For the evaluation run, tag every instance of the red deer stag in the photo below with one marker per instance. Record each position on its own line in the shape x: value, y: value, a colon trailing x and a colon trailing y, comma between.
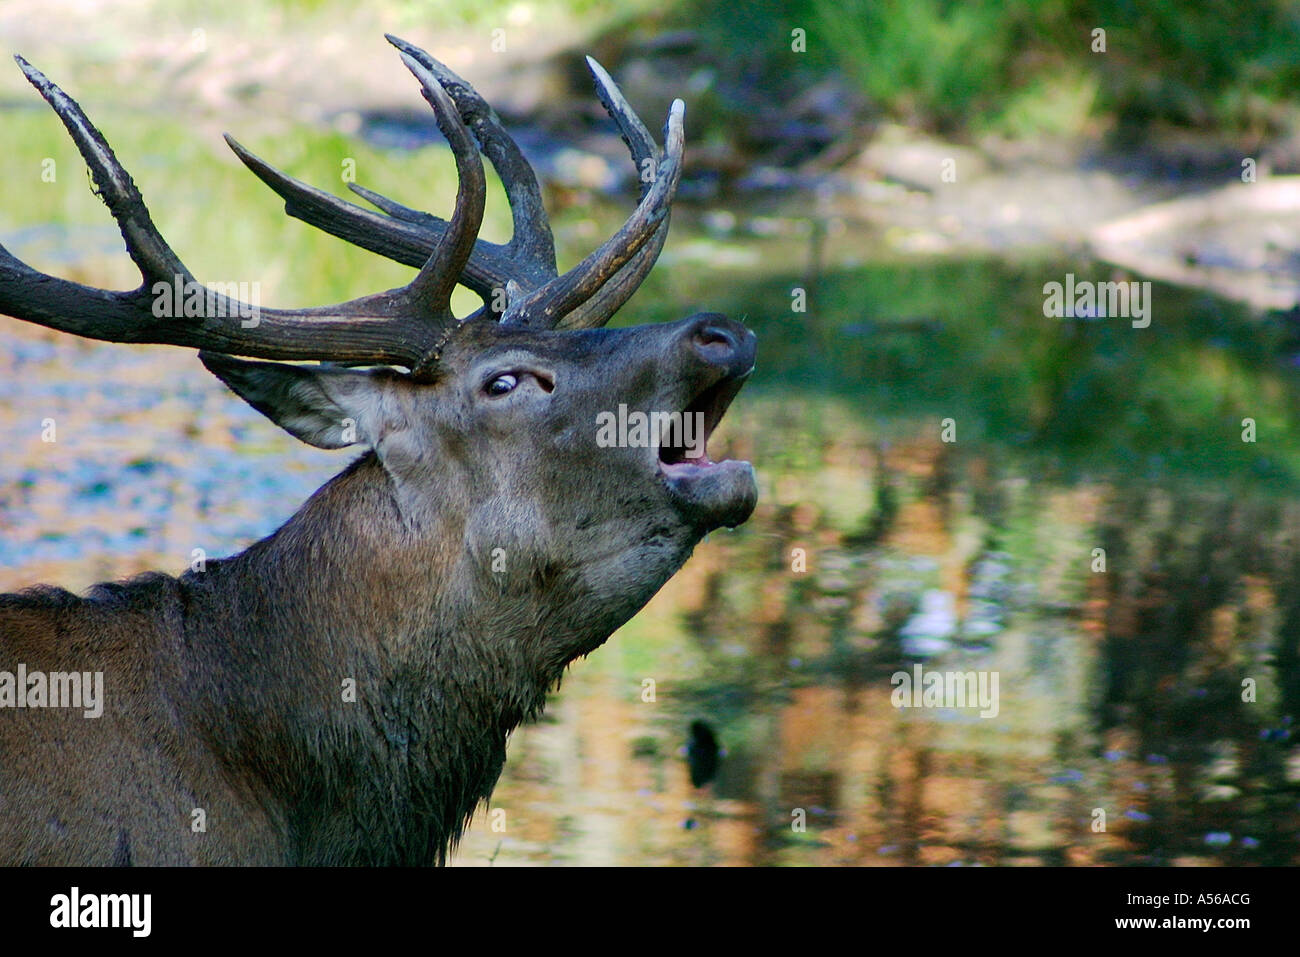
x: 485, y: 539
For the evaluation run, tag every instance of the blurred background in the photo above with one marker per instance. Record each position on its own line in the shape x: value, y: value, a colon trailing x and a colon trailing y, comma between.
x: 881, y: 190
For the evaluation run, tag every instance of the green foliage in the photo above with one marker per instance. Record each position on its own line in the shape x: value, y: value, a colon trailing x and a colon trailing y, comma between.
x: 929, y: 60
x: 1020, y: 66
x: 1218, y: 63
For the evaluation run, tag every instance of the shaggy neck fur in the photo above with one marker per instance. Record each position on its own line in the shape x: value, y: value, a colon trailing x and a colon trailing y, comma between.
x: 369, y: 706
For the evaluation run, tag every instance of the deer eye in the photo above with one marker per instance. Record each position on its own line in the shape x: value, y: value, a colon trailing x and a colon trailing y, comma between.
x: 501, y: 385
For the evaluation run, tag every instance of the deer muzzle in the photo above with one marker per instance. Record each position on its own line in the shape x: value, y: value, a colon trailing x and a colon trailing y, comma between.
x: 719, y: 356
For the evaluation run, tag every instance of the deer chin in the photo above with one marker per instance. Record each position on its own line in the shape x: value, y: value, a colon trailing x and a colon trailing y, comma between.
x: 710, y: 494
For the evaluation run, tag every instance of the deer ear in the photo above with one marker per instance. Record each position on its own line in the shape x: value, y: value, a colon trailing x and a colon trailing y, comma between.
x: 323, y: 406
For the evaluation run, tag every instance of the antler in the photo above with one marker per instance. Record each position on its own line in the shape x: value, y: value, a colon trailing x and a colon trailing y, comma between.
x: 405, y: 326
x: 586, y: 296
x: 401, y: 326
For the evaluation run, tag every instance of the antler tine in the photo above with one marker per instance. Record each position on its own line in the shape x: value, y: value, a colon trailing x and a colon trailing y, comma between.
x: 532, y: 239
x: 395, y: 209
x: 619, y: 289
x: 148, y: 250
x: 547, y: 306
x: 638, y: 139
x: 432, y: 287
x: 409, y: 239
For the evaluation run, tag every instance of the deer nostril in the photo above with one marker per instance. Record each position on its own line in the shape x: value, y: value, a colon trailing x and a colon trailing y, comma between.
x: 719, y: 341
x: 715, y: 335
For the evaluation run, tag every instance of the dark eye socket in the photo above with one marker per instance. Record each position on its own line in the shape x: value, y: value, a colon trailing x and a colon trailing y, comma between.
x: 502, y: 385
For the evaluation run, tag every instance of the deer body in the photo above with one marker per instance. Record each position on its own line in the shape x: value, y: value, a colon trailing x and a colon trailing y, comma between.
x: 342, y: 691
x: 224, y: 692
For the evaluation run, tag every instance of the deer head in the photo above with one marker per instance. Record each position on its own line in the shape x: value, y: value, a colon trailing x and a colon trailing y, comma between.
x: 504, y: 518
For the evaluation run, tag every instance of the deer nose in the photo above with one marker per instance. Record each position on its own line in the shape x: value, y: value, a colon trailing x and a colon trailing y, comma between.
x: 720, y: 341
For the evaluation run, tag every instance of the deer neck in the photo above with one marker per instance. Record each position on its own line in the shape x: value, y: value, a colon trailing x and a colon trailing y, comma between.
x: 375, y: 670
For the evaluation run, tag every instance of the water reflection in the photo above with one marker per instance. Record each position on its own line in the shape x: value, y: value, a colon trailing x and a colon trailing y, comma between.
x: 1120, y: 691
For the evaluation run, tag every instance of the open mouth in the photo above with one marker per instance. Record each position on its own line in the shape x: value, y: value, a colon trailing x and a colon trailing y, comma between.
x: 711, y: 493
x: 684, y: 437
